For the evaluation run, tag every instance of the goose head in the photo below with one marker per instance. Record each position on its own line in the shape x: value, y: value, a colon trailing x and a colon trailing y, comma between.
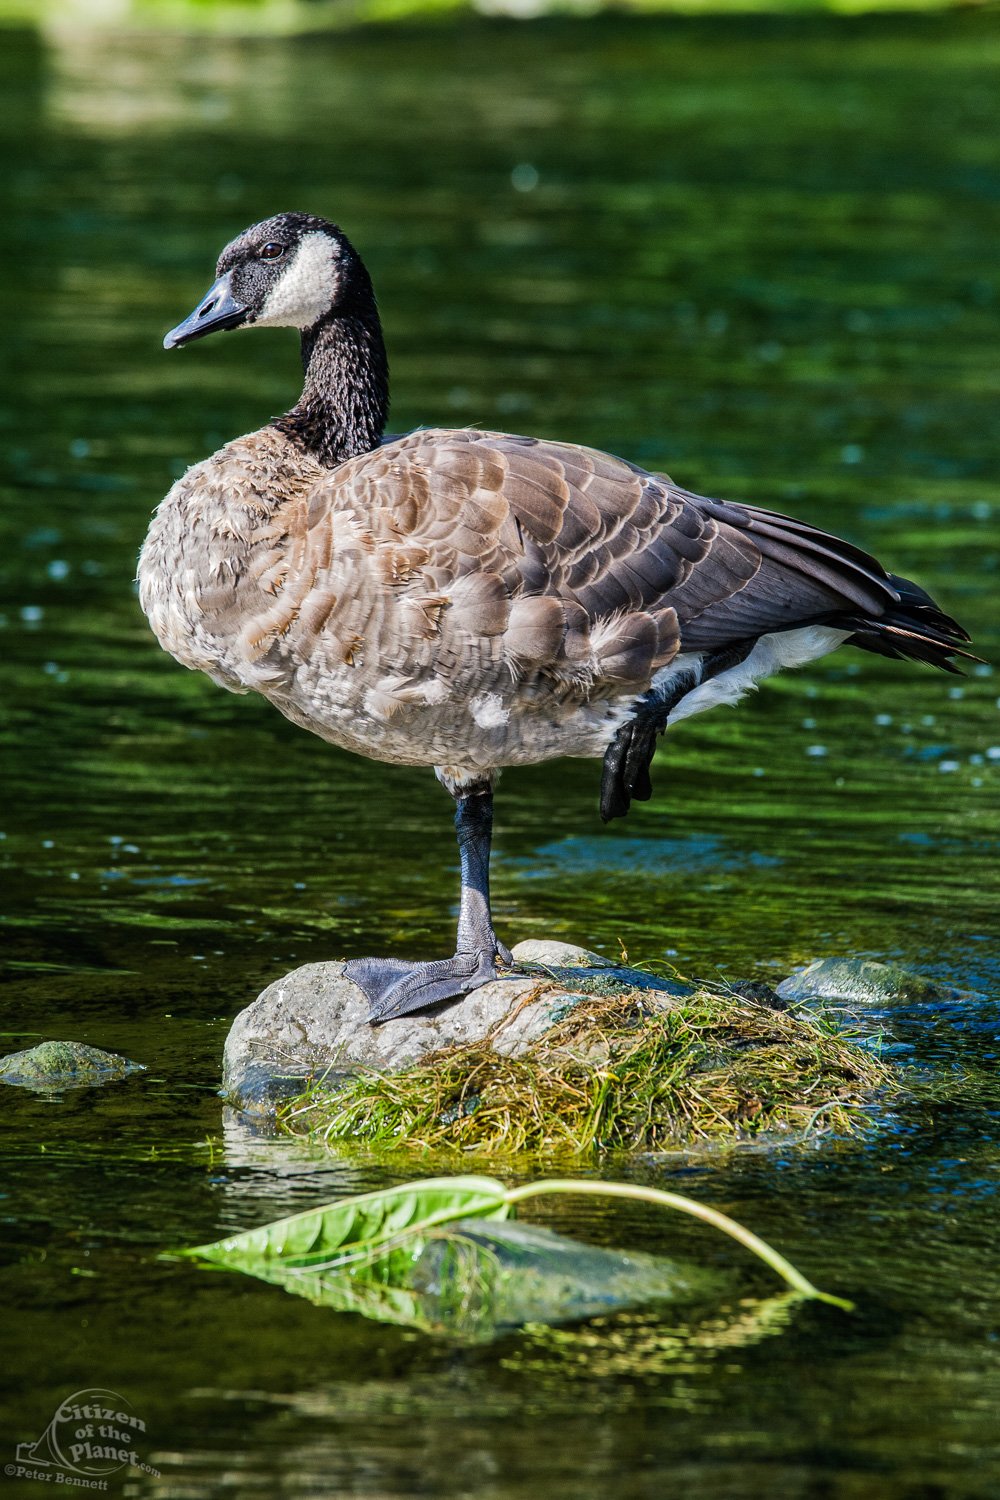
x: 289, y: 271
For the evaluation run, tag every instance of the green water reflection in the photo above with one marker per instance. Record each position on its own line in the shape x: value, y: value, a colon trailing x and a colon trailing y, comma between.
x: 760, y: 254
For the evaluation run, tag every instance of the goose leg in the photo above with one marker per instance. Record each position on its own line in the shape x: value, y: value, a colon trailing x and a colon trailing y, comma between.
x: 395, y: 988
x: 629, y: 756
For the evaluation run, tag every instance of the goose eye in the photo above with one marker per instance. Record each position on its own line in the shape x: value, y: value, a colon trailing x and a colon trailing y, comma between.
x: 272, y: 250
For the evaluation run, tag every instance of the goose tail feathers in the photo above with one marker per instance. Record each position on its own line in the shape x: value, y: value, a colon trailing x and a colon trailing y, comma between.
x: 915, y: 629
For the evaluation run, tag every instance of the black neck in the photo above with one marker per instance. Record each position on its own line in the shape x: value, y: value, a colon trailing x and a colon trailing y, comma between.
x: 345, y: 399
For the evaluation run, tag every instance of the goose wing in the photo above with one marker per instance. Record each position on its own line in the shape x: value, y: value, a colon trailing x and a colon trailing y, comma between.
x: 565, y: 559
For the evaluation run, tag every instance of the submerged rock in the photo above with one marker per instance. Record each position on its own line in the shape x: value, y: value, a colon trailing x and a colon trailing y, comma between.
x: 314, y: 1022
x: 862, y: 981
x: 64, y: 1065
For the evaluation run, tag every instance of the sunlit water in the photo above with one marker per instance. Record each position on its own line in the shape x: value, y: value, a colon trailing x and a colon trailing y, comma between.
x: 759, y: 254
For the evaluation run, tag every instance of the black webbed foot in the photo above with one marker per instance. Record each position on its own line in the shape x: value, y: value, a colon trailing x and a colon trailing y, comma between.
x: 395, y: 988
x: 625, y: 774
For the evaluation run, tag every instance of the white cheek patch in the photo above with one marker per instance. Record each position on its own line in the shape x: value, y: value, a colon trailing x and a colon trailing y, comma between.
x: 307, y: 288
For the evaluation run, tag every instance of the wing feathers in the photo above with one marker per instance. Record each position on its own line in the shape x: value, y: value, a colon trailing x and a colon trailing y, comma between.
x: 575, y: 564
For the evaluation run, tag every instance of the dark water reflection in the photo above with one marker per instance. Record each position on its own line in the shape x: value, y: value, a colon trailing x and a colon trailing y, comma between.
x: 761, y: 254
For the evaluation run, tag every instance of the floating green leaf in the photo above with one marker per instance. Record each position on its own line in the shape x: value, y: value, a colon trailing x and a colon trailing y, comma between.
x: 476, y: 1277
x: 423, y: 1254
x: 359, y: 1228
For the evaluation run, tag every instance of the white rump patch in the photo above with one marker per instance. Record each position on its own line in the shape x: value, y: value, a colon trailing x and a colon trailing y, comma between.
x: 772, y: 653
x: 488, y: 711
x: 307, y: 288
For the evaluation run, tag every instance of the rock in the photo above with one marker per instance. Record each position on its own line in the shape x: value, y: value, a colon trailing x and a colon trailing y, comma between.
x: 640, y: 1071
x: 563, y: 961
x: 545, y: 951
x: 314, y: 1023
x: 861, y: 981
x: 64, y: 1065
x: 759, y: 993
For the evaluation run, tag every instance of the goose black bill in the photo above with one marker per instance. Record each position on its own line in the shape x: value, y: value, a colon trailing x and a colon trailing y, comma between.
x: 218, y: 309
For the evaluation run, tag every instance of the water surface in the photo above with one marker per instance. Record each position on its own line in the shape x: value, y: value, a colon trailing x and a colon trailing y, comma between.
x: 760, y: 254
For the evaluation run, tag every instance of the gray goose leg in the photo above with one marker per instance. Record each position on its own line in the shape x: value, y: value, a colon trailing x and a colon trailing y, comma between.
x: 395, y: 988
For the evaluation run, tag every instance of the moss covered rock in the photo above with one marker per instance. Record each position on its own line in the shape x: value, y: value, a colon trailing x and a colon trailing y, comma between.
x: 64, y: 1065
x: 314, y: 1022
x: 863, y: 981
x: 578, y: 1055
x: 633, y: 1069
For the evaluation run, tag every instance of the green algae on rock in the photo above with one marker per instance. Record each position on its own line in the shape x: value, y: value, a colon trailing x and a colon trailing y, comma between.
x: 866, y: 981
x: 314, y: 1022
x: 633, y: 1070
x: 64, y: 1065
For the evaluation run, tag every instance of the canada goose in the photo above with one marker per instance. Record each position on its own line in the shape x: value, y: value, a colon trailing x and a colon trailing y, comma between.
x: 470, y: 600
